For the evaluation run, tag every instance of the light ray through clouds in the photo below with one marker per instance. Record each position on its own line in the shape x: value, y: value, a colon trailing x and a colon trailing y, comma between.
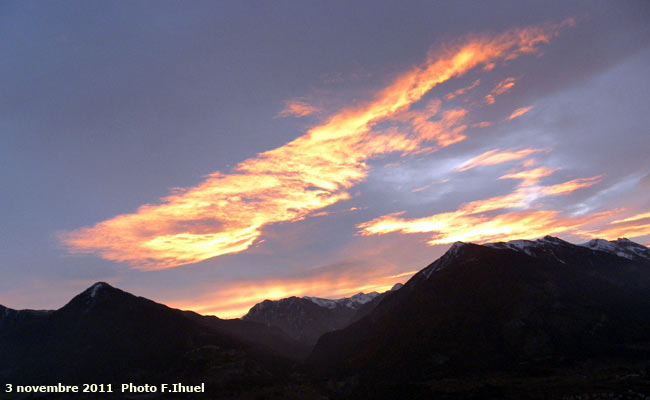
x: 226, y: 212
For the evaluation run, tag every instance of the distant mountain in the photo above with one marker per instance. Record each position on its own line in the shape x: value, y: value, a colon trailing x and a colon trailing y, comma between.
x: 107, y: 335
x: 621, y: 247
x: 521, y: 307
x: 10, y: 316
x: 306, y: 319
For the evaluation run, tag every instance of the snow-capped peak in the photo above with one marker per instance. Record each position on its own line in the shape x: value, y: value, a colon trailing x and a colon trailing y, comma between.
x: 524, y: 246
x: 531, y: 247
x: 360, y: 298
x: 353, y: 302
x: 443, y: 261
x: 547, y: 245
x: 322, y: 302
x: 621, y: 247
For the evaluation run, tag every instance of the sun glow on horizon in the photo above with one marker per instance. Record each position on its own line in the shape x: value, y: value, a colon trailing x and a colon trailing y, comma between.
x: 236, y: 299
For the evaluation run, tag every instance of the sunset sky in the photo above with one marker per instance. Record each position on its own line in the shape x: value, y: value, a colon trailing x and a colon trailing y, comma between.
x: 210, y: 155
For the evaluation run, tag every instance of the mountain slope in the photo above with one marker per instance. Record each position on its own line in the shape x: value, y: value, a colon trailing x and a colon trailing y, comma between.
x: 513, y: 306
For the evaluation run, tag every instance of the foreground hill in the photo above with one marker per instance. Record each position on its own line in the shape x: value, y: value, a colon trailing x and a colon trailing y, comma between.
x: 516, y: 309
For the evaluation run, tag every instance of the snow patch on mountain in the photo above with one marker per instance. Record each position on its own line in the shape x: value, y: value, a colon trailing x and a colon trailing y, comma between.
x: 621, y: 247
x: 353, y: 302
x: 443, y: 261
x: 524, y: 246
x: 96, y: 287
x: 327, y: 303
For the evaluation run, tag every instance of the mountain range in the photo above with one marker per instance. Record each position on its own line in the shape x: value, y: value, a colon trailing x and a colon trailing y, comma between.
x: 518, y: 319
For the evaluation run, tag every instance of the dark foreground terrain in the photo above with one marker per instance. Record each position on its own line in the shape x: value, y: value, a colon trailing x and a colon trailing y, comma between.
x: 524, y: 319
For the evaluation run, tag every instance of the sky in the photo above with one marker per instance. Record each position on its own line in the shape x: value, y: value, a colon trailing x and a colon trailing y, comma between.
x: 210, y: 155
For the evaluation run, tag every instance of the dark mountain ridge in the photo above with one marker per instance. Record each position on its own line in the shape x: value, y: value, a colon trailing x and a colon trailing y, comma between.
x: 107, y: 334
x: 516, y: 306
x: 9, y: 316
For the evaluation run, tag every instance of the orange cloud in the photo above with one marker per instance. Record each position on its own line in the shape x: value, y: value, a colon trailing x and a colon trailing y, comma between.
x: 226, y: 212
x: 529, y: 163
x: 500, y: 88
x: 615, y: 232
x: 633, y: 218
x: 297, y: 108
x: 504, y: 86
x: 461, y: 91
x: 635, y: 226
x: 529, y: 177
x: 452, y: 227
x: 494, y: 157
x: 470, y: 222
x: 482, y: 124
x: 519, y: 112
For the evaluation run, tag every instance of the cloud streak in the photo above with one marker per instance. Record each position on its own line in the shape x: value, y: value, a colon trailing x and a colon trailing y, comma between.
x: 511, y: 216
x: 634, y: 226
x: 500, y: 88
x: 461, y: 91
x: 519, y: 112
x: 227, y: 212
x: 297, y: 108
x: 494, y: 157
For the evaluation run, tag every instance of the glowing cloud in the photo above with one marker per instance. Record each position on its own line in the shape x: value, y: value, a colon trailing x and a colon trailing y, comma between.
x: 635, y: 226
x: 471, y: 222
x: 463, y: 90
x: 501, y: 88
x: 226, y: 212
x: 482, y: 124
x: 297, y: 108
x: 529, y: 177
x: 519, y: 112
x: 633, y: 218
x: 494, y: 157
x: 456, y: 226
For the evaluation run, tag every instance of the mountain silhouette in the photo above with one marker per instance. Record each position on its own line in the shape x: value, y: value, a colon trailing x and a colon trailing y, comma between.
x: 106, y: 335
x: 512, y: 308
